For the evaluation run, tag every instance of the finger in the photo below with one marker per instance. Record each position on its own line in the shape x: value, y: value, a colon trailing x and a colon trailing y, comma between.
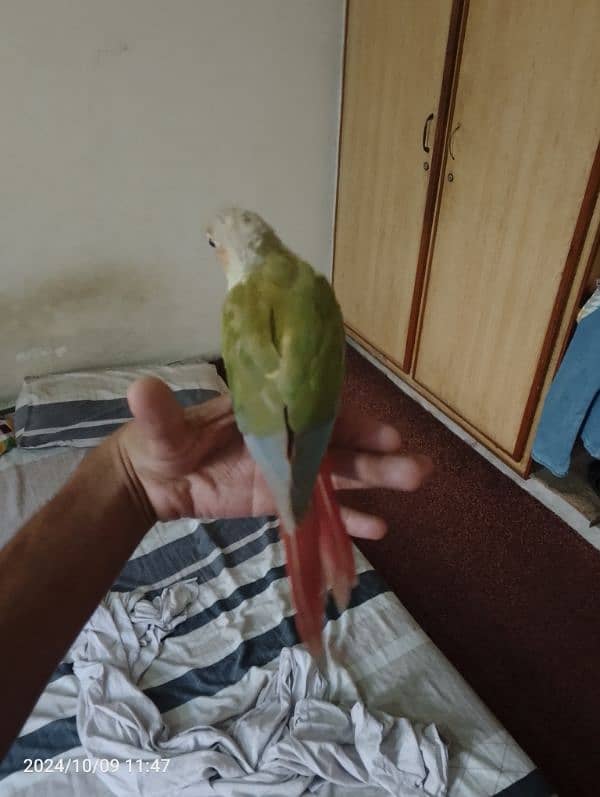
x: 213, y: 424
x: 212, y: 411
x: 359, y: 524
x: 354, y: 430
x: 157, y: 412
x: 358, y: 469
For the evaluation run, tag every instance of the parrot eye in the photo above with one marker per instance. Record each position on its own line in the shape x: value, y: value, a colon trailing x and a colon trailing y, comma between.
x: 211, y: 243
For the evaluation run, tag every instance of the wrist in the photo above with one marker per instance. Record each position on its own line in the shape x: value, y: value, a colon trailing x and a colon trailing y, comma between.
x: 115, y: 462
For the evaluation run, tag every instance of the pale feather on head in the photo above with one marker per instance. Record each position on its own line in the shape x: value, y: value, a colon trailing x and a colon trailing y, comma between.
x: 237, y: 236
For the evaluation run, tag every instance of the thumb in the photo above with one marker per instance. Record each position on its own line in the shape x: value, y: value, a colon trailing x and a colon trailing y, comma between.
x: 157, y: 413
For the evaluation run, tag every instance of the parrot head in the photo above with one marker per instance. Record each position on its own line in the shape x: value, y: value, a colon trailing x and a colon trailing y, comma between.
x: 239, y: 238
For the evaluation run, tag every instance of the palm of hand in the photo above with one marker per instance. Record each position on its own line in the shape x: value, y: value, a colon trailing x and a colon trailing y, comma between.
x: 193, y: 463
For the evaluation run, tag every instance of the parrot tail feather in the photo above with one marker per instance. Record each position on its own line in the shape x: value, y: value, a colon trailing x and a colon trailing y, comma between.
x: 306, y: 577
x: 318, y: 555
x: 335, y: 546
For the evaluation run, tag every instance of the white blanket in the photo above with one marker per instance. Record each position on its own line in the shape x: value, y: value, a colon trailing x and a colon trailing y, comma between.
x: 288, y: 738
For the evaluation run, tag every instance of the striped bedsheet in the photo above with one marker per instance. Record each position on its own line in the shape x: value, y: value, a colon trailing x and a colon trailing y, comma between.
x: 243, y: 621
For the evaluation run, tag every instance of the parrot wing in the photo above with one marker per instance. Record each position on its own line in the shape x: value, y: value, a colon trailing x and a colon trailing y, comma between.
x: 283, y: 347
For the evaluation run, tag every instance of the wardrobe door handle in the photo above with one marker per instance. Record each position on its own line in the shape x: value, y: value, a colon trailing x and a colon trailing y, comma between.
x: 450, y: 150
x: 426, y: 147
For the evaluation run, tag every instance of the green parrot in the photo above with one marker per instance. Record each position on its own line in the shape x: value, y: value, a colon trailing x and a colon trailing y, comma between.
x: 283, y: 347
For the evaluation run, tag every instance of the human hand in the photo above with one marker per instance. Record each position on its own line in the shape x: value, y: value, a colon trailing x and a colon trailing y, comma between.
x: 193, y: 462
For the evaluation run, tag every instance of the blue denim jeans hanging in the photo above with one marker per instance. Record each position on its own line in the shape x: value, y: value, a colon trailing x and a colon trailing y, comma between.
x: 572, y: 406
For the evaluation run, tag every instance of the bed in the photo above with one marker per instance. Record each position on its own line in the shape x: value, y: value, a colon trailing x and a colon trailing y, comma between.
x: 216, y: 656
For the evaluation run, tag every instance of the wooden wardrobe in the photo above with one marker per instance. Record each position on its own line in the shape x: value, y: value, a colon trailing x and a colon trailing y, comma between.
x: 467, y: 218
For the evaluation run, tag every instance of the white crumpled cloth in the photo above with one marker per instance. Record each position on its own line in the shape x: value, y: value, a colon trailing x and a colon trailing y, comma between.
x: 291, y: 741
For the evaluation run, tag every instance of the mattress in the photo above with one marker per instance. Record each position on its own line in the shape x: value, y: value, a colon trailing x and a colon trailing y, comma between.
x: 245, y: 604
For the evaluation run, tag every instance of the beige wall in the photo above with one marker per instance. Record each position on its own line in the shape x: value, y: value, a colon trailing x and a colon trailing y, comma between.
x: 124, y: 124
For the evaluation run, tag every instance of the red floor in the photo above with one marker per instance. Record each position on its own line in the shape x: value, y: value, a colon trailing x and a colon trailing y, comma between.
x: 505, y: 589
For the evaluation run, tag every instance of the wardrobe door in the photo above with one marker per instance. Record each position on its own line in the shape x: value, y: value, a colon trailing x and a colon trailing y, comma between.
x: 518, y: 191
x: 394, y: 62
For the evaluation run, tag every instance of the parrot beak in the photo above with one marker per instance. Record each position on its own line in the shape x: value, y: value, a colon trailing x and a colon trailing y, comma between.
x: 222, y: 257
x: 220, y: 251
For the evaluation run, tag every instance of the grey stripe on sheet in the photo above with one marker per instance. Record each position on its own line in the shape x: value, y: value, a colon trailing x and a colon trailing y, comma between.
x: 226, y: 531
x: 41, y: 417
x: 207, y: 681
x: 253, y: 652
x: 64, y: 668
x: 62, y: 413
x: 66, y: 435
x: 46, y: 742
x: 532, y: 785
x: 164, y: 561
x: 219, y: 563
x: 243, y: 593
x: 173, y: 557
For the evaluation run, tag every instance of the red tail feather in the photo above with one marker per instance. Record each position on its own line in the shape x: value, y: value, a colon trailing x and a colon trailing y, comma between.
x: 306, y: 577
x: 319, y: 548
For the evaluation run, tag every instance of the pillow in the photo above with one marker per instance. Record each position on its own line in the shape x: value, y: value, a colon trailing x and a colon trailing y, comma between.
x: 7, y: 436
x: 82, y: 407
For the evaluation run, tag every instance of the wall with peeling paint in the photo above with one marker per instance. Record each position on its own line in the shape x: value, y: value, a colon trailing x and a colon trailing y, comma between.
x: 124, y: 124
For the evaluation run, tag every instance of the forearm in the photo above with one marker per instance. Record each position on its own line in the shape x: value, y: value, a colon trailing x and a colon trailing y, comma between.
x: 56, y: 569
